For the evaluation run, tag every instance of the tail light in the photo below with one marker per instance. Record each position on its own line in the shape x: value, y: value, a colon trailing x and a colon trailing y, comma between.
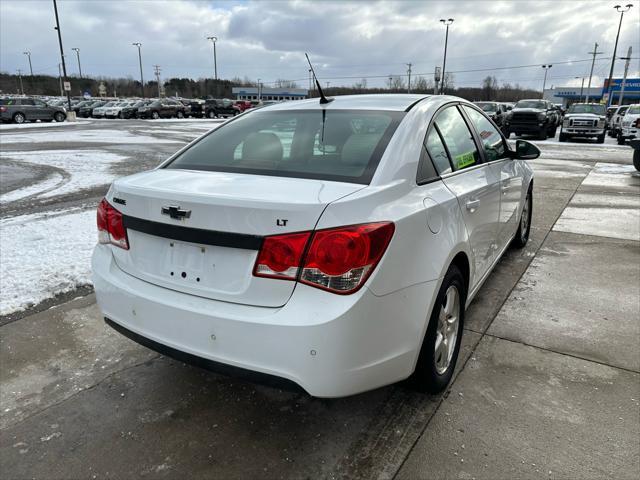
x: 3, y: 109
x: 339, y: 260
x: 110, y: 227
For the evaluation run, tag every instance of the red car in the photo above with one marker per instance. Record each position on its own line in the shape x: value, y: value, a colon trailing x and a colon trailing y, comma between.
x: 243, y: 105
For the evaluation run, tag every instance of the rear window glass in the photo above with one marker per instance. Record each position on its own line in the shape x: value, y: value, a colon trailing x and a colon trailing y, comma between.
x: 340, y: 145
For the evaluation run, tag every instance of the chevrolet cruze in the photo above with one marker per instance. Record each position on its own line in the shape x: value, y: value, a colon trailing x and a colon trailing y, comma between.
x: 334, y: 245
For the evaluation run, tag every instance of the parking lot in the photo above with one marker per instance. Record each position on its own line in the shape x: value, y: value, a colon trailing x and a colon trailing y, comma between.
x: 548, y: 385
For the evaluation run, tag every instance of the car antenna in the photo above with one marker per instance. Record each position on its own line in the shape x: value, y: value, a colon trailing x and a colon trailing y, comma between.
x: 323, y: 99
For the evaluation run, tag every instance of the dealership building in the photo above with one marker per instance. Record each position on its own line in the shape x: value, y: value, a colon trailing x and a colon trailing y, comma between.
x: 264, y: 93
x: 568, y: 95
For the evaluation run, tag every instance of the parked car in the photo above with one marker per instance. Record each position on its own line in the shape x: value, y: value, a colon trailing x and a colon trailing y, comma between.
x: 610, y: 112
x: 76, y: 108
x: 616, y: 120
x: 532, y: 117
x: 20, y: 110
x: 342, y: 264
x: 162, y: 108
x: 584, y: 120
x: 630, y: 126
x: 635, y: 144
x: 243, y: 105
x: 196, y: 108
x: 131, y: 111
x: 115, y: 111
x: 495, y: 110
x: 99, y: 112
x: 87, y: 110
x: 216, y: 107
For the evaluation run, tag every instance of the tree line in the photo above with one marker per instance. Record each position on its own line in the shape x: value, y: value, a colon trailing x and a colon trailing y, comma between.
x: 489, y: 89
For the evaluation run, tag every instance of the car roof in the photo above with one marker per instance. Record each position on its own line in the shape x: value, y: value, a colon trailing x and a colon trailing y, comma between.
x: 389, y: 101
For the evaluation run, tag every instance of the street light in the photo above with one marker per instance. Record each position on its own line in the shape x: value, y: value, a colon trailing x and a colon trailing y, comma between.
x: 259, y: 90
x: 446, y: 23
x: 544, y: 83
x: 622, y: 11
x: 28, y: 54
x: 581, y: 88
x: 138, y: 44
x: 215, y: 61
x: 77, y: 50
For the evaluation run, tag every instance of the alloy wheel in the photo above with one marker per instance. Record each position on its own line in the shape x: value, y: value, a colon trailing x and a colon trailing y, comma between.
x: 447, y: 330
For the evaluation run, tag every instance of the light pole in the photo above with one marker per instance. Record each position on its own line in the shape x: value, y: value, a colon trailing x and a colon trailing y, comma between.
x: 544, y: 83
x: 259, y: 90
x: 77, y: 50
x: 215, y: 60
x: 446, y: 23
x: 622, y: 11
x: 581, y: 88
x: 20, y: 77
x: 28, y: 54
x: 138, y: 44
x: 64, y: 67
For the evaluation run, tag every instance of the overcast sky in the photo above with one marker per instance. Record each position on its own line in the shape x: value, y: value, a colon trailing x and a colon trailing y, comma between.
x: 267, y: 40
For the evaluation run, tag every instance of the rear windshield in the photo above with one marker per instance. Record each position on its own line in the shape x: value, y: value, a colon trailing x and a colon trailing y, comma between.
x: 531, y: 104
x: 488, y: 107
x: 587, y: 108
x: 340, y: 145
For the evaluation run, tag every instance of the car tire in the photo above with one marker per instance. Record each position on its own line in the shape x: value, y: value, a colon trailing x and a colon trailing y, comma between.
x: 553, y: 132
x: 562, y: 137
x: 441, y: 344
x: 211, y: 114
x: 600, y: 138
x: 542, y: 134
x: 120, y: 115
x: 19, y: 118
x: 155, y: 115
x: 59, y: 117
x: 524, y: 225
x: 180, y: 114
x: 636, y: 158
x: 620, y: 139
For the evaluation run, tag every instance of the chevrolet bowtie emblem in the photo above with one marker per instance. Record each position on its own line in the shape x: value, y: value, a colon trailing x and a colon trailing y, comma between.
x: 176, y: 212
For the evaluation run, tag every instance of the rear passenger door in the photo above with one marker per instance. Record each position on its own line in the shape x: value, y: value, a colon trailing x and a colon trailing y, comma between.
x: 28, y: 108
x: 452, y: 147
x: 511, y: 178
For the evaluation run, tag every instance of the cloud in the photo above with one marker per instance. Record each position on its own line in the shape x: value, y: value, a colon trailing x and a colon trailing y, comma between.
x: 345, y: 39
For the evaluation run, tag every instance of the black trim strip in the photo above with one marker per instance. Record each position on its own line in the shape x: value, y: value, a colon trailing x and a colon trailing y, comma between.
x: 194, y: 235
x: 217, y: 367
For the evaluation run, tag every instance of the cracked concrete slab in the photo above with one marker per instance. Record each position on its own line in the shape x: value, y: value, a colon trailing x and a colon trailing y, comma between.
x: 521, y: 412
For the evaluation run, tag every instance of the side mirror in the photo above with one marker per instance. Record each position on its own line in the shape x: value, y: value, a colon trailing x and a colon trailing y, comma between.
x: 525, y: 150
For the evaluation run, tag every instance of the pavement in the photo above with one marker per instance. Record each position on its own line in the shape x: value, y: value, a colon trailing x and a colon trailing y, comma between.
x: 547, y: 386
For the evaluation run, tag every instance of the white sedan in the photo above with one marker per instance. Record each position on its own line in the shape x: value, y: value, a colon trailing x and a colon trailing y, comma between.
x: 332, y: 245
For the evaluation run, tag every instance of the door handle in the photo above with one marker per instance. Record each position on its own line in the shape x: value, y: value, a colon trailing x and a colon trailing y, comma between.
x: 472, y: 205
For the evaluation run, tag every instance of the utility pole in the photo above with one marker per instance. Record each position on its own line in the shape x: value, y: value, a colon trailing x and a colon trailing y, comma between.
x: 77, y: 50
x: 581, y: 88
x: 409, y: 74
x: 436, y: 78
x: 390, y: 81
x: 28, y: 54
x: 593, y: 61
x: 259, y: 90
x: 615, y: 49
x: 64, y: 67
x: 138, y: 44
x: 310, y: 82
x: 544, y: 83
x: 444, y: 61
x: 157, y: 72
x: 624, y: 78
x: 60, y: 79
x: 20, y: 77
x: 328, y: 83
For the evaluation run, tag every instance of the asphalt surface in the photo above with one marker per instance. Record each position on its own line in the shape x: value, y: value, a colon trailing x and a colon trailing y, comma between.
x: 547, y: 386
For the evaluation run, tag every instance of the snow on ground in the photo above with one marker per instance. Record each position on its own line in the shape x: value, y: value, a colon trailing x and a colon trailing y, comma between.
x: 87, y: 136
x: 43, y: 255
x: 12, y: 126
x: 85, y: 169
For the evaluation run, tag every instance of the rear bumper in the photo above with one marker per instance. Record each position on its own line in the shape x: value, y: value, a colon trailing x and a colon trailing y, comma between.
x: 330, y: 345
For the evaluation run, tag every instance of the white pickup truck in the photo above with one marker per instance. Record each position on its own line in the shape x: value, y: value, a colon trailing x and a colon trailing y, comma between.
x: 584, y: 120
x: 630, y: 125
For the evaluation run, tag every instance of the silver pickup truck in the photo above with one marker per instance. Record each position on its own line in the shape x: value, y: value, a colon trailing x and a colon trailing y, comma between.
x: 584, y: 120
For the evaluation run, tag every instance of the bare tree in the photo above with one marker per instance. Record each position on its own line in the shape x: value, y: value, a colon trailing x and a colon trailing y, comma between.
x: 422, y: 84
x: 448, y: 81
x: 489, y: 87
x: 282, y: 83
x: 397, y: 83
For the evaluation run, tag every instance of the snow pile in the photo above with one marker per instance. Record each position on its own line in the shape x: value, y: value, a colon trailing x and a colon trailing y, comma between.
x: 82, y: 136
x: 79, y: 169
x: 42, y: 255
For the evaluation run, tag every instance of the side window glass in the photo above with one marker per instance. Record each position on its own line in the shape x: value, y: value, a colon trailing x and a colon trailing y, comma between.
x: 437, y: 152
x: 458, y: 139
x: 27, y: 101
x: 492, y: 143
